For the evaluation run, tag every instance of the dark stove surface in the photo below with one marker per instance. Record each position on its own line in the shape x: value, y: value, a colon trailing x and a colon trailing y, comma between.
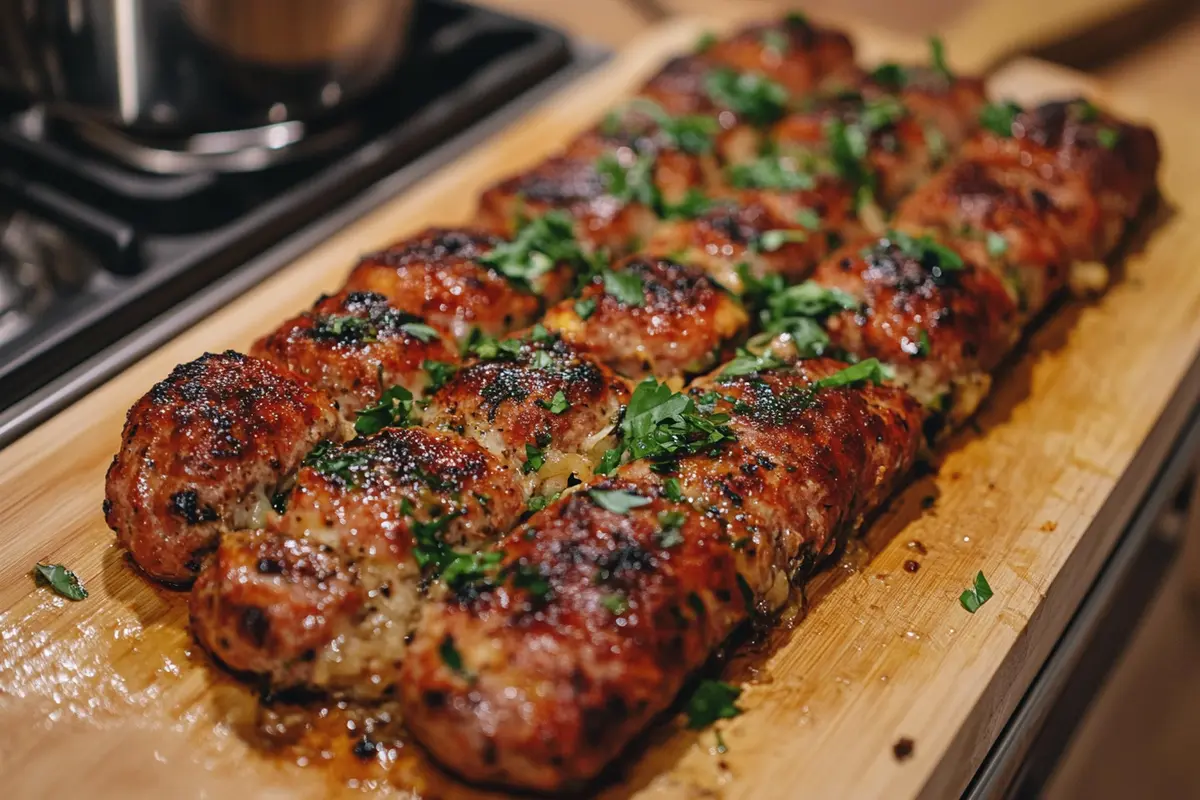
x: 91, y: 249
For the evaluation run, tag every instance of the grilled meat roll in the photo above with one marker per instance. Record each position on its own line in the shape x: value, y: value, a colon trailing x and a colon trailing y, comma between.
x: 327, y: 597
x: 940, y: 322
x: 537, y: 403
x: 607, y: 600
x: 1091, y: 172
x: 651, y: 316
x: 442, y: 276
x: 356, y: 345
x: 792, y: 52
x: 204, y: 451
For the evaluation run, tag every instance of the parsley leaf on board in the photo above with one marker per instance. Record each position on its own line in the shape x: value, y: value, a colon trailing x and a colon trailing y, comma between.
x: 62, y: 580
x: 711, y: 701
x: 977, y: 595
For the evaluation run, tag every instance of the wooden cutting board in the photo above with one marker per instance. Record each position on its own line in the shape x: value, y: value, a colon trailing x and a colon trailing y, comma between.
x: 109, y: 696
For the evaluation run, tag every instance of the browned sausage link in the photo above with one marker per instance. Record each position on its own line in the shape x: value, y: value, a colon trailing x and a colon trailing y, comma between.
x: 438, y: 275
x: 762, y: 233
x: 1095, y: 172
x: 356, y: 345
x: 611, y: 597
x: 538, y: 404
x: 652, y: 316
x: 327, y: 597
x: 941, y: 322
x: 203, y: 451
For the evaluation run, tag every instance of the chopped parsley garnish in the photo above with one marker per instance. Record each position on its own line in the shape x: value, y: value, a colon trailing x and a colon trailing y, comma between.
x: 693, y: 204
x: 848, y: 155
x: 467, y: 568
x: 585, y: 308
x: 540, y: 501
x: 880, y: 113
x: 337, y: 462
x: 420, y: 331
x: 1085, y: 110
x: 795, y: 19
x: 394, y: 410
x: 617, y: 604
x: 530, y: 578
x: 711, y: 701
x: 1108, y: 138
x: 489, y: 348
x: 662, y: 425
x: 626, y: 287
x: 776, y: 41
x: 770, y: 241
x: 932, y: 255
x: 997, y: 245
x: 668, y: 534
x: 937, y: 57
x: 452, y: 658
x: 867, y: 370
x: 999, y: 117
x: 923, y: 345
x: 541, y: 360
x: 62, y: 580
x: 752, y: 96
x: 795, y: 310
x: 691, y: 133
x: 809, y: 218
x: 617, y: 501
x: 540, y: 244
x: 890, y: 75
x: 558, y: 403
x: 770, y: 172
x: 629, y: 184
x: 535, y: 459
x: 439, y: 373
x: 977, y: 595
x: 705, y: 42
x: 672, y: 490
x: 746, y: 363
x: 345, y: 328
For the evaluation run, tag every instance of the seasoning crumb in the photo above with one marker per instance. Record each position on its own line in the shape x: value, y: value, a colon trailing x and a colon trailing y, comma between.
x: 903, y: 748
x: 1049, y: 525
x: 917, y: 547
x: 911, y: 566
x: 928, y: 501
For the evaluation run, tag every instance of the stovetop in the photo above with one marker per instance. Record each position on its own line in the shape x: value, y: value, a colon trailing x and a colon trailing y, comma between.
x: 92, y: 249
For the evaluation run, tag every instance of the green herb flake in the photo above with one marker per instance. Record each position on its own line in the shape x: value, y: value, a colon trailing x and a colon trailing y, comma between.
x: 394, y: 410
x: 937, y: 58
x: 453, y: 659
x: 539, y: 245
x: 772, y: 240
x: 618, y: 501
x: 705, y: 42
x: 711, y: 701
x: 420, y: 331
x: 752, y: 96
x: 616, y: 603
x: 1108, y: 138
x: 809, y: 218
x: 535, y: 459
x: 672, y: 490
x: 999, y: 117
x: 558, y: 403
x: 795, y: 19
x: 668, y: 534
x: 997, y: 245
x: 869, y: 370
x: 439, y: 373
x: 62, y: 580
x: 332, y: 461
x: 932, y: 254
x: 797, y: 310
x: 776, y: 41
x: 345, y: 328
x: 626, y: 287
x: 747, y: 363
x: 890, y: 75
x: 977, y: 595
x: 770, y: 172
x: 662, y: 425
x: 585, y: 308
x: 489, y: 348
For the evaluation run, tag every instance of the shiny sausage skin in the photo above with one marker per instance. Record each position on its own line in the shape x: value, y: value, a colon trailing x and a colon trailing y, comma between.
x: 327, y: 597
x: 596, y: 618
x: 356, y: 345
x: 437, y: 275
x: 681, y: 324
x: 202, y: 452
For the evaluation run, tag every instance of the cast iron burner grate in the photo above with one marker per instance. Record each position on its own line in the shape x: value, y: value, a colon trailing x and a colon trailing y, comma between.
x: 91, y: 248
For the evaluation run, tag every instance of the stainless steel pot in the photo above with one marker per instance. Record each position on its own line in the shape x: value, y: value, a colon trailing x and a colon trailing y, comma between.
x: 178, y: 67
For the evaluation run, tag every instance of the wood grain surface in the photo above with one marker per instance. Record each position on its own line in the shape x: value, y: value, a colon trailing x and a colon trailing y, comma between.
x: 109, y: 696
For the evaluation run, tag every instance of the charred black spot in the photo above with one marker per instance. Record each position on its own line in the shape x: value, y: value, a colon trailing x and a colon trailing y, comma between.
x: 186, y: 504
x: 434, y: 699
x: 365, y: 748
x: 106, y: 506
x: 435, y: 246
x: 269, y: 566
x: 254, y: 625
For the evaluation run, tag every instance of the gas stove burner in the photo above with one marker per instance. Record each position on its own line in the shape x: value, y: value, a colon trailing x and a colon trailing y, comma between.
x: 247, y: 150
